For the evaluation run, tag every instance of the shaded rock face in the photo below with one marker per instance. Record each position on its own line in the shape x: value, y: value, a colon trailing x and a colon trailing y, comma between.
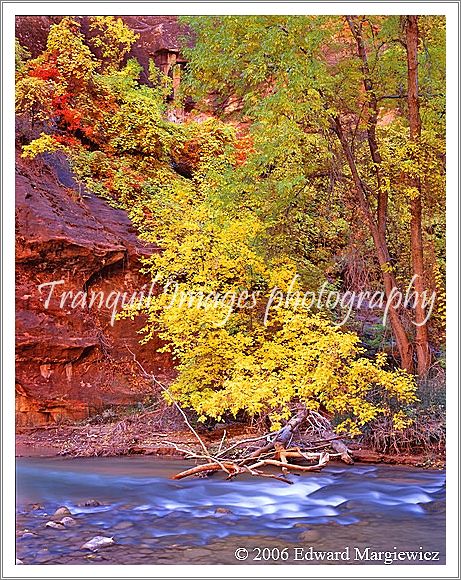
x: 156, y: 33
x: 71, y: 360
x: 32, y: 31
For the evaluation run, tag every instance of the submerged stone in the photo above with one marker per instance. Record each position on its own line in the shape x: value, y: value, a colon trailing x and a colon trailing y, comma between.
x: 123, y: 525
x: 222, y: 510
x: 90, y: 503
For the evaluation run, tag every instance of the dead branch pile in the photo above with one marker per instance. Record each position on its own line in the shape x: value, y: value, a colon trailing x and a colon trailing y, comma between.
x: 305, y: 437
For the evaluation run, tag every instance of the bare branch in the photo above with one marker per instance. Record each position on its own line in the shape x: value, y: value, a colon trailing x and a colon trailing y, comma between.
x: 324, y: 459
x: 173, y: 400
x: 222, y: 441
x: 229, y: 468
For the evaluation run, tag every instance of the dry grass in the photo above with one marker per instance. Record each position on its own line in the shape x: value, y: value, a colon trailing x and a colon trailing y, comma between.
x: 427, y: 433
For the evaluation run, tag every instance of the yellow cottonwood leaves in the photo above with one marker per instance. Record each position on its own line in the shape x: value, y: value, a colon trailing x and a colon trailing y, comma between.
x: 234, y: 217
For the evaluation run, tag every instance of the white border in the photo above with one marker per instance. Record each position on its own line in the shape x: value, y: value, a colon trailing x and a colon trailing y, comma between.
x: 10, y: 10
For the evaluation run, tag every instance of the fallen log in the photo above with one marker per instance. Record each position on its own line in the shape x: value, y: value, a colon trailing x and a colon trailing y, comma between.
x: 283, y: 436
x: 230, y: 467
x: 233, y: 470
x: 292, y: 467
x: 296, y: 453
x: 281, y: 455
x: 340, y: 447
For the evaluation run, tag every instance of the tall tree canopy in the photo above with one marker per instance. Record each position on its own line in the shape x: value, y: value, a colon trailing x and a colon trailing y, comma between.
x: 320, y: 160
x: 330, y: 103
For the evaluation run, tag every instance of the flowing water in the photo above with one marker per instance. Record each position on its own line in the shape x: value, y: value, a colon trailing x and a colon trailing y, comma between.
x: 359, y: 512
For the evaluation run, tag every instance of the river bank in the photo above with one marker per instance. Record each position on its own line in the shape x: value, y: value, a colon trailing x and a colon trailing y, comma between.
x: 116, y: 439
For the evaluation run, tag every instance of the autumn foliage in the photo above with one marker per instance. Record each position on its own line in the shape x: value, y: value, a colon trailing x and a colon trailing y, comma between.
x: 245, y: 210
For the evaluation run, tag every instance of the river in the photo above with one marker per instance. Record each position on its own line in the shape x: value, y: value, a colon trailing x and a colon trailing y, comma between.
x: 355, y: 511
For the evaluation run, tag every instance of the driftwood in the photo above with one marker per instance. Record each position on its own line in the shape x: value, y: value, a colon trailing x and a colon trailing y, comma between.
x: 284, y: 435
x: 207, y: 467
x: 341, y: 448
x: 275, y: 453
x: 323, y: 460
x: 234, y: 469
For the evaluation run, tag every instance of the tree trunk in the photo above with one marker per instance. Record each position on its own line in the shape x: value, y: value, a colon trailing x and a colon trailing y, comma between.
x: 355, y: 24
x: 417, y: 255
x: 378, y: 225
x: 403, y: 344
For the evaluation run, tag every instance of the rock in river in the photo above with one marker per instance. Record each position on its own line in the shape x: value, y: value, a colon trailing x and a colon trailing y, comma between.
x: 222, y: 510
x: 55, y: 525
x: 90, y: 503
x: 98, y: 542
x: 62, y: 511
x: 67, y: 522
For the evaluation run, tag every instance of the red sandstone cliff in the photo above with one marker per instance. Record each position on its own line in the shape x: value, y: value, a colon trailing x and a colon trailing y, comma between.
x: 72, y: 361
